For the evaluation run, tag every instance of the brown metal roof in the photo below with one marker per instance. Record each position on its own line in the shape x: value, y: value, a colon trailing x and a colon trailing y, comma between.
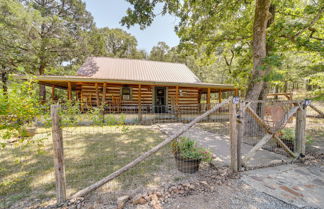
x: 136, y: 70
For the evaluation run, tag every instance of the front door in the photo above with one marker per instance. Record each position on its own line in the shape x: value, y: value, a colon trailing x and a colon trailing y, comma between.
x: 160, y: 100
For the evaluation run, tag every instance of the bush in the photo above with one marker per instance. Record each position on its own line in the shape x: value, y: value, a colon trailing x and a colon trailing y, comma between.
x: 188, y: 149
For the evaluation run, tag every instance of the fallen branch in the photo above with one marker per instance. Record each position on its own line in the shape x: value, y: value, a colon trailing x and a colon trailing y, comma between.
x: 138, y: 160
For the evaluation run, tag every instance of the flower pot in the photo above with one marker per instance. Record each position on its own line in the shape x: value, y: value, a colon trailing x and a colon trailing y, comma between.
x: 186, y: 165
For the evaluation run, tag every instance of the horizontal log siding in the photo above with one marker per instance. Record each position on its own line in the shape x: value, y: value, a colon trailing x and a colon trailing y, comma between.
x: 188, y: 97
x: 89, y: 92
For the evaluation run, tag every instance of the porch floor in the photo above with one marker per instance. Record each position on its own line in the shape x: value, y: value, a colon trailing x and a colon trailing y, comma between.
x: 219, y: 145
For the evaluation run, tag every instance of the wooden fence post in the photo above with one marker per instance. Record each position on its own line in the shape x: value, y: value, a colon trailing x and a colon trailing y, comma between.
x: 300, y: 140
x: 233, y: 136
x: 240, y: 134
x: 58, y: 154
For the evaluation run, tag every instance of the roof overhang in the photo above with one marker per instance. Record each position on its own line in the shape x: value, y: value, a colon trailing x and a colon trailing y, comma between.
x: 62, y: 82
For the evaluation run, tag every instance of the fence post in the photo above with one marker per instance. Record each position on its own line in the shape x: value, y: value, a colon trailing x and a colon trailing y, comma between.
x: 299, y: 145
x: 240, y: 134
x: 233, y: 135
x: 58, y: 154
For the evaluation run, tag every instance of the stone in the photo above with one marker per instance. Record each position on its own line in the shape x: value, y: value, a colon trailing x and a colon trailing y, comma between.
x: 139, y: 200
x: 158, y: 194
x: 121, y: 201
x: 204, y: 183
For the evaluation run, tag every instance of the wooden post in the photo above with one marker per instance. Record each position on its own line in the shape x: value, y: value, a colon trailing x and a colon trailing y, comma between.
x: 139, y: 99
x: 233, y: 136
x: 208, y: 98
x: 236, y: 93
x: 300, y: 140
x: 69, y: 91
x: 177, y: 96
x: 81, y: 103
x: 220, y: 96
x: 104, y: 91
x: 240, y: 134
x: 97, y: 94
x: 53, y: 93
x: 58, y: 154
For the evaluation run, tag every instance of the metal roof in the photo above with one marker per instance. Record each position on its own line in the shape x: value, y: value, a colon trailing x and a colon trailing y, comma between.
x: 136, y: 70
x: 62, y: 81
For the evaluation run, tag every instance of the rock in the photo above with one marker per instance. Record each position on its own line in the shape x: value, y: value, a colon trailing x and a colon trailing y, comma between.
x: 121, y: 201
x: 155, y: 202
x: 204, y: 183
x: 139, y: 199
x: 158, y: 194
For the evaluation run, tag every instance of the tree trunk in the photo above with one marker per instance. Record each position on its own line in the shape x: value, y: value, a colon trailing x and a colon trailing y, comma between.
x: 285, y: 87
x: 42, y: 89
x: 4, y: 79
x: 258, y: 88
x: 261, y: 18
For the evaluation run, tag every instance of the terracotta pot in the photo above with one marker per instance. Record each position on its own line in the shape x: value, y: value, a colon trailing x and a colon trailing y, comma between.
x: 187, y: 165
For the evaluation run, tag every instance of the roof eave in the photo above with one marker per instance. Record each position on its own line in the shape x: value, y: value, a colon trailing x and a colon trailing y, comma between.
x: 115, y: 81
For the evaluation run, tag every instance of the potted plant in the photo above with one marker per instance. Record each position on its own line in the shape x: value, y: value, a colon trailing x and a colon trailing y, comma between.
x: 188, y: 155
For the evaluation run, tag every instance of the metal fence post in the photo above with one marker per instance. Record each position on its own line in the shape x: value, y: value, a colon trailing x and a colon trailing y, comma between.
x: 233, y: 135
x: 300, y: 140
x: 58, y: 154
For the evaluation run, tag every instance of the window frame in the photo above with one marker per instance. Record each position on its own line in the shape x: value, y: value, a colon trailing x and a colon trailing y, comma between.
x: 122, y: 93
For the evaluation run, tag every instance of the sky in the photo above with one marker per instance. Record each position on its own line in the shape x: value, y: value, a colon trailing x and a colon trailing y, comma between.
x: 108, y: 13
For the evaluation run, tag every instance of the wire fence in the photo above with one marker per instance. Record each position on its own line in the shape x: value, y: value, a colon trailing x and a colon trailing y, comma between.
x: 99, y: 143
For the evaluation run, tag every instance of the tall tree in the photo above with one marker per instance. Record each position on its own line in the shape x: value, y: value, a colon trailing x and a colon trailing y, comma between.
x: 208, y: 27
x: 16, y: 36
x: 113, y: 43
x: 59, y: 33
x: 160, y: 52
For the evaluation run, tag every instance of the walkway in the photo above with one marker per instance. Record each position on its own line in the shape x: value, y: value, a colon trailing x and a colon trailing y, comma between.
x: 220, y: 146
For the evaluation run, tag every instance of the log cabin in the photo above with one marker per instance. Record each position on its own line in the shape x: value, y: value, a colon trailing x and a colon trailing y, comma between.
x: 125, y: 85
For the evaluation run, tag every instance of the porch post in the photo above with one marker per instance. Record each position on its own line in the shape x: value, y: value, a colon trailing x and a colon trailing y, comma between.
x: 69, y: 91
x: 81, y: 102
x: 177, y: 95
x: 220, y: 96
x: 139, y: 99
x: 104, y: 94
x: 53, y: 93
x: 208, y: 98
x: 97, y: 94
x: 236, y: 92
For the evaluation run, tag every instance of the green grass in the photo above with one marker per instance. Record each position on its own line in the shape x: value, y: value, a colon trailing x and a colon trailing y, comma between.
x: 90, y: 154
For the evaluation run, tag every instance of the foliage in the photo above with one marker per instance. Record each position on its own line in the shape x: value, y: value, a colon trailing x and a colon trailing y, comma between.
x: 219, y: 35
x: 289, y: 135
x: 18, y: 110
x: 187, y: 148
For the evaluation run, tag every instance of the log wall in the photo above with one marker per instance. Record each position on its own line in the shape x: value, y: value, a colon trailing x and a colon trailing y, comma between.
x: 87, y: 93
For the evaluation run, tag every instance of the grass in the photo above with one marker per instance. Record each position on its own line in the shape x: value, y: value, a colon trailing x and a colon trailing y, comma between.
x: 90, y: 154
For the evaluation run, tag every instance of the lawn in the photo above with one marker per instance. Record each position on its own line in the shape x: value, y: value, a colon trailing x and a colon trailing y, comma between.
x: 90, y: 153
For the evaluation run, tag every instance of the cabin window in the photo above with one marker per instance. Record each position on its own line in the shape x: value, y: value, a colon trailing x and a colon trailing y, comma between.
x: 126, y: 93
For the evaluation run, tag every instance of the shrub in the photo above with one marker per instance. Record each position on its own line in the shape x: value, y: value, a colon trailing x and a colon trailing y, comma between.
x: 188, y: 149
